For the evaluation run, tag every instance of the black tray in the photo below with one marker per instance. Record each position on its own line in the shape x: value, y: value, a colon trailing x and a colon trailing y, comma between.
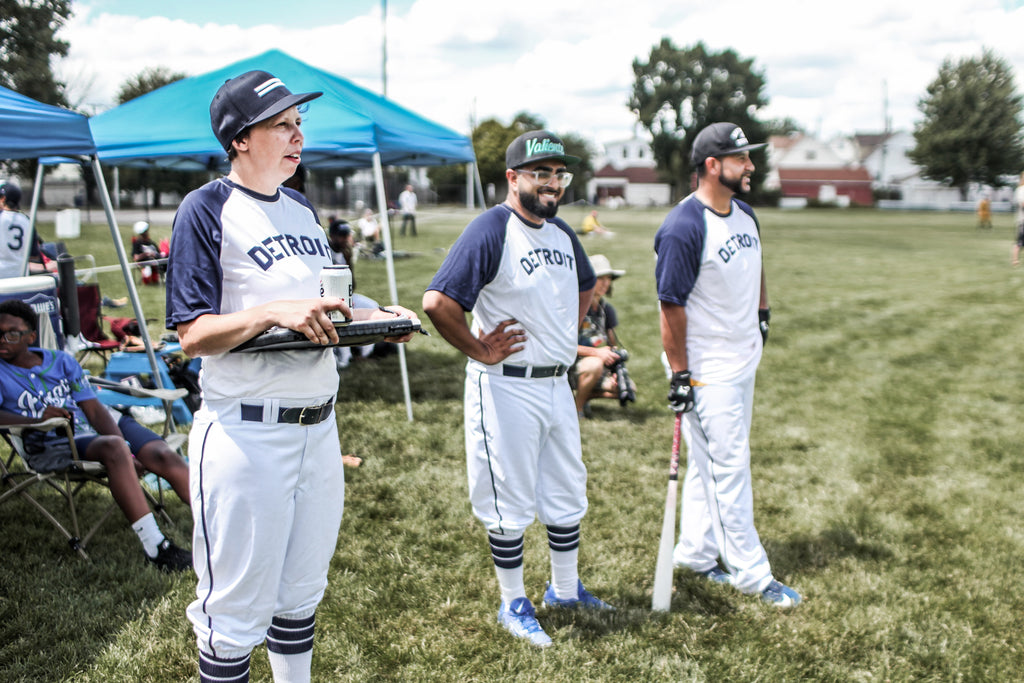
x: 350, y: 334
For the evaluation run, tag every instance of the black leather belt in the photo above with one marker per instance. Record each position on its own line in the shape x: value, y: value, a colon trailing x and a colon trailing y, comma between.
x: 534, y: 371
x: 308, y: 415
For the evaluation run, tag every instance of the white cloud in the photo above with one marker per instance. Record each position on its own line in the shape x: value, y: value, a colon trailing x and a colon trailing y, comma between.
x: 828, y: 66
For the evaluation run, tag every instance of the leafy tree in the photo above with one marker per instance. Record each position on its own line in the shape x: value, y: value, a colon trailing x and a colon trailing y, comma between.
x: 490, y: 140
x: 677, y: 92
x: 156, y: 179
x: 971, y: 131
x: 28, y: 39
x: 147, y: 81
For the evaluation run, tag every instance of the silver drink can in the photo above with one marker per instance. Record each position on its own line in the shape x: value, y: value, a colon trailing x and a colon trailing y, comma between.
x: 337, y: 281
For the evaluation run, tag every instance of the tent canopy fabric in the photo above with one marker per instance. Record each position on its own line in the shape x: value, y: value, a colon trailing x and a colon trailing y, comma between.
x: 32, y: 129
x: 170, y: 127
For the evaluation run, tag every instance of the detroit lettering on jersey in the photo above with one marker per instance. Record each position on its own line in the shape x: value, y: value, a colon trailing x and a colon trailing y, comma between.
x: 732, y: 245
x: 277, y: 247
x: 536, y: 258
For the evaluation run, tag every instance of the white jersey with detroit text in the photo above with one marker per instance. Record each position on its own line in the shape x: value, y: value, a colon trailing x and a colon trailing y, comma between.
x: 503, y: 267
x: 711, y: 264
x: 233, y: 249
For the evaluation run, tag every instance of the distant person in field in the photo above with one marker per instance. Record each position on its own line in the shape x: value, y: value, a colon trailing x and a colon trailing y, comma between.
x: 985, y: 213
x: 407, y: 204
x: 592, y: 226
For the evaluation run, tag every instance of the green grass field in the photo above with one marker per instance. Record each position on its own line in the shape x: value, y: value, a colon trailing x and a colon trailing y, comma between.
x: 887, y: 473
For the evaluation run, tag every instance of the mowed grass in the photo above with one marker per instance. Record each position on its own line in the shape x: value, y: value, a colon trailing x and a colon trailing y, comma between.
x: 887, y: 472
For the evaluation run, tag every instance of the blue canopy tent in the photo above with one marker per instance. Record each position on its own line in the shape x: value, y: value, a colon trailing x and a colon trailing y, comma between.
x: 170, y: 127
x: 32, y: 130
x: 347, y: 127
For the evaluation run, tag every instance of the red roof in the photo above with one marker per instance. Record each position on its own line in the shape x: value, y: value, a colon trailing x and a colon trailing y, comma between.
x: 841, y: 175
x: 633, y: 174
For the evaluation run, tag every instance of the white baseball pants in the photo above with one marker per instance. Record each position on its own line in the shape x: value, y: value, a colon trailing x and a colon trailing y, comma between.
x: 718, y: 503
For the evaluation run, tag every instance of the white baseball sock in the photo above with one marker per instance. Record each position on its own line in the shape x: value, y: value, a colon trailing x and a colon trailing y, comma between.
x: 507, y: 553
x: 291, y: 668
x: 290, y: 648
x: 564, y: 544
x: 149, y: 533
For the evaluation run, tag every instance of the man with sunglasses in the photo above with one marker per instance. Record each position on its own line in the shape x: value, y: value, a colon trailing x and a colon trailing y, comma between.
x: 526, y: 279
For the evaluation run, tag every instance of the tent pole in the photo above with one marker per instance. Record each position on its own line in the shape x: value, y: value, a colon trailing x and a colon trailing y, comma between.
x: 37, y: 192
x: 470, y: 185
x: 479, y: 186
x: 382, y: 207
x: 129, y: 281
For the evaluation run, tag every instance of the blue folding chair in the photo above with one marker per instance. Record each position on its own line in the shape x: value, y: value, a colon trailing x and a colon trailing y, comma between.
x: 123, y: 365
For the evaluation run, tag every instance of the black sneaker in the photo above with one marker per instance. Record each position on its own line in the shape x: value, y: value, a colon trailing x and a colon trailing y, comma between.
x: 171, y: 558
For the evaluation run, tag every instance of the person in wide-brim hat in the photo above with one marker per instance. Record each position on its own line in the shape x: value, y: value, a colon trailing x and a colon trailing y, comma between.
x: 598, y: 345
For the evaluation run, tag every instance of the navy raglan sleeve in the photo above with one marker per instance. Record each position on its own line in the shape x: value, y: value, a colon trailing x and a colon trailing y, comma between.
x: 474, y: 259
x: 679, y: 244
x: 194, y: 273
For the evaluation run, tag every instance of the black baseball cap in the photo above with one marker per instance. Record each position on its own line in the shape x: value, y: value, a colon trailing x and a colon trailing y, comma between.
x: 250, y: 98
x: 341, y: 228
x: 537, y: 145
x: 719, y: 140
x: 11, y: 194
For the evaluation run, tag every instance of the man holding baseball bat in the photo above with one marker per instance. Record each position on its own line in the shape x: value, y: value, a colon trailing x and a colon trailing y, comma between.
x: 714, y: 323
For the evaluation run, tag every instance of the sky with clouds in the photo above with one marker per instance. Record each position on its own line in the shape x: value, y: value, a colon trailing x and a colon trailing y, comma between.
x: 832, y: 67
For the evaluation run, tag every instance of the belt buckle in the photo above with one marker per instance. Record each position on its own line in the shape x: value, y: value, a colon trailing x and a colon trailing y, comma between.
x: 560, y: 369
x: 310, y: 415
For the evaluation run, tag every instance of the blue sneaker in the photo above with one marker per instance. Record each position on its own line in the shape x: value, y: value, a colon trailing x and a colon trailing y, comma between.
x: 716, y: 575
x: 780, y: 595
x: 583, y: 599
x: 520, y: 620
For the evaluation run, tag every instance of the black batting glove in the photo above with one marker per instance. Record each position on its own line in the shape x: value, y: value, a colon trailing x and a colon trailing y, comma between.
x: 763, y: 316
x: 680, y: 392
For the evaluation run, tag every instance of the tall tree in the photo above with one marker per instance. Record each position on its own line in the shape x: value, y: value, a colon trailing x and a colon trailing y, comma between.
x: 28, y: 39
x: 971, y: 131
x: 156, y: 179
x: 677, y: 92
x: 146, y: 81
x: 490, y: 139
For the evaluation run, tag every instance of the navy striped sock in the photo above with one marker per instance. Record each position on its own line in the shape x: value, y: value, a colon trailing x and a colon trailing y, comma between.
x: 218, y: 670
x: 507, y: 553
x: 563, y: 538
x: 290, y: 636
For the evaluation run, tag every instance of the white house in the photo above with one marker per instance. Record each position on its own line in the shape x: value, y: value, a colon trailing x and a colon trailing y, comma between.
x: 626, y: 175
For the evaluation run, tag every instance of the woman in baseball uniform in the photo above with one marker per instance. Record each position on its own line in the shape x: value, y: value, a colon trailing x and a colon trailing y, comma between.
x: 265, y: 465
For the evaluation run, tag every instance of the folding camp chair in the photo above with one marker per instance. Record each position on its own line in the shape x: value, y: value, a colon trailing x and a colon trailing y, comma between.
x: 20, y: 478
x: 126, y: 371
x: 92, y: 325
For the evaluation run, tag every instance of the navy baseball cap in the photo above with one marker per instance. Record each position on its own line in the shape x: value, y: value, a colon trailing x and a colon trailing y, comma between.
x: 719, y: 140
x: 250, y: 98
x: 537, y: 145
x: 11, y: 194
x: 341, y: 228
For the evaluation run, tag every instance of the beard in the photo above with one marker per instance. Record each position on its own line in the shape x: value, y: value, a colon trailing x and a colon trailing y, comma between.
x: 735, y: 184
x: 532, y: 203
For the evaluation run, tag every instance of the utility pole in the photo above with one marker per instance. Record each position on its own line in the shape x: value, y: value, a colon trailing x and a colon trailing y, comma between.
x: 384, y: 47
